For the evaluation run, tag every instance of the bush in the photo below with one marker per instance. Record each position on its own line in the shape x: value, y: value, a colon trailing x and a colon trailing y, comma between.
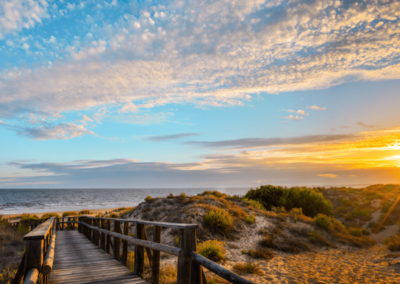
x: 253, y: 203
x: 247, y: 267
x: 212, y: 249
x: 269, y: 196
x: 215, y: 193
x: 48, y: 215
x: 168, y: 274
x: 28, y: 217
x: 311, y: 201
x: 313, y: 237
x: 114, y: 215
x: 295, y: 213
x: 262, y: 253
x: 218, y: 219
x: 250, y: 219
x: 323, y: 221
x: 148, y: 198
x: 357, y: 232
x: 392, y: 243
x: 182, y: 195
x: 84, y: 212
x: 69, y: 213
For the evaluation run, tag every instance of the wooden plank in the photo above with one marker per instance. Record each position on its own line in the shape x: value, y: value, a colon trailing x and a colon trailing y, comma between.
x: 79, y: 261
x: 40, y: 232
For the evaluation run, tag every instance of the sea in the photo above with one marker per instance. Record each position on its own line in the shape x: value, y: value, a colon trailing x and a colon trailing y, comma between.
x: 17, y: 201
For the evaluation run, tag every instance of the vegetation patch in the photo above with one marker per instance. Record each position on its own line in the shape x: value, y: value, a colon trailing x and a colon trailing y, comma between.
x: 247, y: 268
x: 28, y: 217
x: 218, y: 219
x: 262, y: 253
x: 48, y: 215
x: 212, y: 249
x: 392, y: 243
x: 250, y: 219
x: 69, y: 213
x: 148, y: 198
x: 310, y: 200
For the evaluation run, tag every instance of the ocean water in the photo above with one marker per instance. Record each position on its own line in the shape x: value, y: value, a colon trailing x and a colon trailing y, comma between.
x: 17, y: 201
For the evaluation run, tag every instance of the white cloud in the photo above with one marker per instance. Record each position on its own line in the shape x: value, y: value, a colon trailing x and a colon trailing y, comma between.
x: 317, y: 108
x: 228, y: 55
x: 18, y: 14
x: 291, y: 117
x: 25, y: 46
x: 302, y: 112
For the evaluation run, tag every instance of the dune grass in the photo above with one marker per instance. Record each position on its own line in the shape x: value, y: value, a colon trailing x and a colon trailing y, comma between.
x: 212, y: 249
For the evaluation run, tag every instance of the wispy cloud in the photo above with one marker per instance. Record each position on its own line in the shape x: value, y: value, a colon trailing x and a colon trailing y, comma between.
x: 159, y: 138
x: 268, y: 142
x: 291, y: 117
x: 365, y: 125
x: 328, y: 175
x: 317, y: 108
x: 302, y: 112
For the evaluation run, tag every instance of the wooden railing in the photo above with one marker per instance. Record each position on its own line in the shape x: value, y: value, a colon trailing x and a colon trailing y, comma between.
x: 190, y: 263
x: 30, y: 225
x: 37, y: 261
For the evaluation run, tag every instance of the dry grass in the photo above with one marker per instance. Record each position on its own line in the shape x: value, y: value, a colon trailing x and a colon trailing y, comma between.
x: 216, y: 280
x: 247, y: 268
x: 212, y: 249
x: 168, y: 274
x: 262, y: 253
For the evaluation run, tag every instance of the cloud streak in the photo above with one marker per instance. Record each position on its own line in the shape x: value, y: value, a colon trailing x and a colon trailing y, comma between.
x: 160, y: 138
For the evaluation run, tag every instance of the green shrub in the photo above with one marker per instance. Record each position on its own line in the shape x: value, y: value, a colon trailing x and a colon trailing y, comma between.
x: 323, y: 221
x: 218, y: 219
x: 313, y: 237
x: 148, y: 198
x: 254, y: 203
x: 295, y: 213
x: 212, y: 249
x: 310, y: 200
x: 250, y: 219
x: 268, y: 195
x: 48, y: 215
x: 84, y: 212
x: 114, y: 215
x: 69, y: 213
x: 28, y: 217
x: 346, y: 202
x: 392, y: 243
x: 182, y: 195
x: 365, y: 232
x: 357, y: 232
x: 247, y: 268
x: 215, y: 193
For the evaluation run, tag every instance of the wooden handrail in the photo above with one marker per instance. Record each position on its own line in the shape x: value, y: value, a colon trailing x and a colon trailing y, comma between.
x: 160, y: 224
x: 219, y: 270
x: 41, y: 231
x: 156, y: 246
x: 32, y: 276
x: 48, y: 261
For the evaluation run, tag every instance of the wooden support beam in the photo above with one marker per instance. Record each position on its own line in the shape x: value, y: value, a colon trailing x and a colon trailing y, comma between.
x: 117, y: 241
x: 155, y: 271
x: 125, y: 245
x: 108, y: 245
x: 139, y: 251
x: 187, y: 242
x: 103, y: 236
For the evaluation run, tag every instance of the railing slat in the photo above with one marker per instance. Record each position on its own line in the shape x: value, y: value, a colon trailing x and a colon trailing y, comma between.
x: 155, y: 271
x: 139, y: 251
x: 219, y: 270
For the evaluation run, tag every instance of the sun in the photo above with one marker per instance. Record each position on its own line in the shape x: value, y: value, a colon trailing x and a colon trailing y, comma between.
x: 395, y: 146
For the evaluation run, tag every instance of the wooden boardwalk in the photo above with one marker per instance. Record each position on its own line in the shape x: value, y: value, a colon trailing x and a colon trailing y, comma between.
x: 79, y: 261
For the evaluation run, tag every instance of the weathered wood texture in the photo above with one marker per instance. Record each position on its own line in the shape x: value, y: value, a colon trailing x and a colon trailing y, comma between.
x: 32, y: 276
x: 136, y: 241
x: 219, y: 270
x: 151, y: 223
x: 40, y: 231
x: 49, y: 259
x: 79, y: 261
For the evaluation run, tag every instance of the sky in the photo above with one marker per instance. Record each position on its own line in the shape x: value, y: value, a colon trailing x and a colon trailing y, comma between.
x: 141, y: 94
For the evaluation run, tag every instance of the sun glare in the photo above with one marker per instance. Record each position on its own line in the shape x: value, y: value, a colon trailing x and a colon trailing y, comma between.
x: 395, y: 146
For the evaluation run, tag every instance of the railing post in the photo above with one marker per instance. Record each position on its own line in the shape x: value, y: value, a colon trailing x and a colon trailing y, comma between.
x: 139, y: 251
x: 62, y: 225
x: 187, y: 242
x: 125, y: 245
x: 155, y: 272
x: 103, y: 235
x: 108, y: 245
x: 117, y: 241
x: 69, y: 227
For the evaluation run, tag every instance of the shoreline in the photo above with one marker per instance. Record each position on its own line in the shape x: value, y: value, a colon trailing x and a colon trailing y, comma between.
x: 40, y: 214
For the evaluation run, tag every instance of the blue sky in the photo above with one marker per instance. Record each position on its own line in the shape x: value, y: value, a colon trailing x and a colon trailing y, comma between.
x: 190, y: 93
